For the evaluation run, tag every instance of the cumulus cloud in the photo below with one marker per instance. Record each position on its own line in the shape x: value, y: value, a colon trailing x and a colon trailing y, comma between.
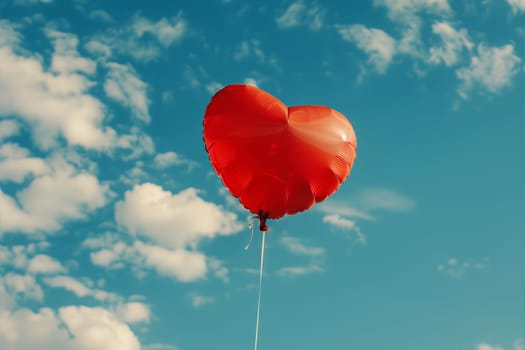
x: 177, y: 220
x: 184, y: 265
x: 492, y: 69
x: 179, y: 263
x: 169, y: 159
x: 17, y: 165
x: 66, y: 58
x: 378, y: 45
x: 72, y: 328
x: 44, y: 264
x: 55, y: 104
x: 8, y: 128
x: 302, y: 13
x: 134, y: 312
x: 24, y: 286
x: 50, y: 200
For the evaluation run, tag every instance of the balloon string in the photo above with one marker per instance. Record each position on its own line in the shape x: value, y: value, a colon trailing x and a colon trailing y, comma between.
x: 260, y: 289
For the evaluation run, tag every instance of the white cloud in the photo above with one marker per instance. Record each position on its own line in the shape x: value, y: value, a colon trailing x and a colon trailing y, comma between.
x: 66, y: 58
x: 218, y: 268
x: 107, y: 257
x: 177, y: 220
x: 302, y: 13
x: 142, y: 38
x: 124, y: 86
x: 181, y: 264
x: 248, y: 48
x: 295, y: 246
x: 517, y: 6
x: 299, y: 270
x: 98, y: 48
x: 403, y: 10
x: 68, y: 283
x: 213, y: 87
x: 167, y: 31
x: 339, y: 221
x: 50, y: 200
x: 453, y: 44
x: 78, y: 288
x: 18, y: 255
x: 100, y: 15
x: 167, y: 159
x: 376, y: 198
x: 16, y: 165
x: 134, y: 312
x: 518, y: 344
x: 8, y: 128
x: 485, y: 346
x: 334, y: 206
x: 72, y: 328
x: 457, y: 269
x: 54, y: 103
x: 44, y: 264
x: 23, y: 285
x: 157, y: 346
x: 406, y: 14
x: 250, y: 81
x: 378, y: 45
x: 492, y: 69
x: 32, y: 2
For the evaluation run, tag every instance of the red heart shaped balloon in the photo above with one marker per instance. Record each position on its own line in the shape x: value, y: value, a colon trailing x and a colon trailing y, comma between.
x: 276, y: 160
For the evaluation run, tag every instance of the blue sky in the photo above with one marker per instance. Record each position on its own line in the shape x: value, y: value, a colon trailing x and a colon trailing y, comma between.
x: 117, y: 234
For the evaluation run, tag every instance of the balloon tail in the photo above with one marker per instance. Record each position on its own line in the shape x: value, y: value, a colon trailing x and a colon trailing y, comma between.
x: 250, y: 227
x: 260, y: 290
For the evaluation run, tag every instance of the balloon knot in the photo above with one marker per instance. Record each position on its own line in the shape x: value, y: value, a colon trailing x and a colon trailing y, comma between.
x: 263, y: 216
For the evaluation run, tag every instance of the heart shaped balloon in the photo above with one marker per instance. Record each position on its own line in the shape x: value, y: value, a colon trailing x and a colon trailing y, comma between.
x: 276, y: 159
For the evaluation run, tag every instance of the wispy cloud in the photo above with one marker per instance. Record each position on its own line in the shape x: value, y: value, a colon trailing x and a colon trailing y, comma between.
x: 302, y: 13
x: 378, y: 45
x: 141, y: 38
x: 344, y: 215
x: 456, y: 269
x: 517, y: 6
x: 198, y: 300
x: 123, y: 85
x: 299, y: 270
x: 296, y: 246
x: 453, y: 43
x: 485, y: 346
x: 492, y: 69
